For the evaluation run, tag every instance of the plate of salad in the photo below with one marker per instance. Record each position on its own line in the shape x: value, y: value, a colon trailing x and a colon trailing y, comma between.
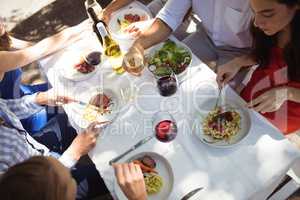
x: 169, y: 54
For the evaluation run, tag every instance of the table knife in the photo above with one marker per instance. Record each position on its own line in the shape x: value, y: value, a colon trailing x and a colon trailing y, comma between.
x: 141, y: 142
x: 191, y: 193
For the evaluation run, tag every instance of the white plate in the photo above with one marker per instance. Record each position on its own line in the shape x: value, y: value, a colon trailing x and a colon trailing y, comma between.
x: 78, y: 110
x: 65, y: 66
x: 114, y: 26
x: 164, y: 170
x: 150, y: 53
x: 208, y: 105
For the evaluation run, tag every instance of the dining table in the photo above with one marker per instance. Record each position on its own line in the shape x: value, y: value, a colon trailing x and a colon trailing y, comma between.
x: 250, y: 169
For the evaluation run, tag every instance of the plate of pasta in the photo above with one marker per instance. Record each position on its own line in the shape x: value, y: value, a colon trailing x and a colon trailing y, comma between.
x: 222, y: 126
x: 158, y: 175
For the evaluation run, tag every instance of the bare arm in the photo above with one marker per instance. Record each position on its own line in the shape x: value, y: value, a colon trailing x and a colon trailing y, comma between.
x: 117, y: 4
x: 13, y: 59
x: 158, y: 32
x: 20, y: 44
x: 112, y: 7
x: 294, y: 94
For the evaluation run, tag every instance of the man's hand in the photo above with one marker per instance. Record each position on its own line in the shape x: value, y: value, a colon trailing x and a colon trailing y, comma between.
x: 131, y: 180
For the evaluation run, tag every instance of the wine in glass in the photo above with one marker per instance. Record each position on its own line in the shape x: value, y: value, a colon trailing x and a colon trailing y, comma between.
x: 135, y: 63
x: 165, y: 127
x: 166, y: 80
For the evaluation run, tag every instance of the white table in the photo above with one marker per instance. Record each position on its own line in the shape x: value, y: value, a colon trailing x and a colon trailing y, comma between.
x: 250, y: 170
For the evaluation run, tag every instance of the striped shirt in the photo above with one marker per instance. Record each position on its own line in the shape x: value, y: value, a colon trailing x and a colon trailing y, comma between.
x: 16, y: 145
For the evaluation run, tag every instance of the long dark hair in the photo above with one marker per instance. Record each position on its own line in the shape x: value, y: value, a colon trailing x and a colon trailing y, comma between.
x: 5, y: 42
x: 262, y: 44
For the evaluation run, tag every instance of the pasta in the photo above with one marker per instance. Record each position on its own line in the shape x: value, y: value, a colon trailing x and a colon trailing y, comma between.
x: 153, y: 183
x: 222, y: 125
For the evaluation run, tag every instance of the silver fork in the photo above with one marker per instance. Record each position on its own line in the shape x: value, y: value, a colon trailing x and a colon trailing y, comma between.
x: 218, y: 99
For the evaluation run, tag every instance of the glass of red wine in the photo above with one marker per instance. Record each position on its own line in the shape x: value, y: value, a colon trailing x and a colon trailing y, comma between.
x: 166, y: 80
x: 93, y: 58
x: 164, y: 126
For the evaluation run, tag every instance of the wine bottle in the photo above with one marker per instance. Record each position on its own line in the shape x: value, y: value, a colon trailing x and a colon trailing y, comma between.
x: 111, y: 47
x: 93, y: 4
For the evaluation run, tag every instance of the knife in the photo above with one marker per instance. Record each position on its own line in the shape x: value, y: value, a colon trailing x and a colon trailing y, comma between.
x: 191, y: 193
x: 141, y: 142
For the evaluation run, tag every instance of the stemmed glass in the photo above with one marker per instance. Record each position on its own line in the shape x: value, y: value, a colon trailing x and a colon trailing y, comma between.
x: 164, y: 126
x: 166, y: 80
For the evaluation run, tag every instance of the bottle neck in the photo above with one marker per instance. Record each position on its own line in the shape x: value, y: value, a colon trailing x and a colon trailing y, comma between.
x: 93, y: 15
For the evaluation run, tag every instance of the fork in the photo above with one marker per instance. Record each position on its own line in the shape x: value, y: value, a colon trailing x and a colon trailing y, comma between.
x: 219, y: 95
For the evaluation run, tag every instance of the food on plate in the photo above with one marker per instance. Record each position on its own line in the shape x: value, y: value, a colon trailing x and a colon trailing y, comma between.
x: 221, y: 124
x: 148, y: 161
x: 101, y: 101
x: 145, y: 168
x: 153, y: 181
x: 170, y: 55
x: 99, y: 105
x: 84, y: 68
x: 129, y: 19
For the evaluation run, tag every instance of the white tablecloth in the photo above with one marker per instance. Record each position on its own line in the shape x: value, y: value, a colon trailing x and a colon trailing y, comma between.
x: 250, y: 170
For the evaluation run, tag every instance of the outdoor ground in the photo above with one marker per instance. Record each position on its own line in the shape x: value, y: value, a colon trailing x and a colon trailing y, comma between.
x: 34, y: 20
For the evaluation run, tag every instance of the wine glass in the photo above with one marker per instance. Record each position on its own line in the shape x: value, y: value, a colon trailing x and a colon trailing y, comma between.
x: 93, y: 57
x: 134, y: 62
x: 166, y: 80
x: 164, y: 126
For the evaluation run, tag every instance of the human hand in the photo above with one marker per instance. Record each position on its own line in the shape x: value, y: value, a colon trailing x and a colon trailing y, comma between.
x: 134, y: 58
x: 85, y: 141
x: 226, y: 72
x: 131, y: 180
x: 133, y: 30
x: 105, y: 15
x: 270, y: 101
x: 51, y: 98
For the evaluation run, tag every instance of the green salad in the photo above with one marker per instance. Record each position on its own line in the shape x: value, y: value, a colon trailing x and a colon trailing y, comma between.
x: 170, y: 55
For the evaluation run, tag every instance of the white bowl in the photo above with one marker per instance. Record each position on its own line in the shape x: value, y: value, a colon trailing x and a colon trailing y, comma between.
x: 150, y: 53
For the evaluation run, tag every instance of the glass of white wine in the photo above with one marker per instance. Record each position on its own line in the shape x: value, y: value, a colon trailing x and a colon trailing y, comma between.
x: 134, y: 62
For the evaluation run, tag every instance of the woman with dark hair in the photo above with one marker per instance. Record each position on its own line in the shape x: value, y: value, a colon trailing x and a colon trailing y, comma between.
x: 274, y: 86
x: 44, y: 178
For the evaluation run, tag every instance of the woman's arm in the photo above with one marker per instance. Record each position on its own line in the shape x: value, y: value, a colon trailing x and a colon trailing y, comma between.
x: 294, y: 94
x: 19, y: 44
x: 112, y: 7
x: 13, y: 59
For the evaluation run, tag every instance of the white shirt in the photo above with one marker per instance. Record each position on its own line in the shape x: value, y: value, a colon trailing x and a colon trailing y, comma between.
x: 226, y: 21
